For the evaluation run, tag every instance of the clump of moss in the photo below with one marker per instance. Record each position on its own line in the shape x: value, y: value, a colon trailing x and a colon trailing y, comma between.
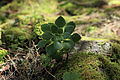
x: 15, y: 36
x: 87, y: 65
x: 112, y: 69
x: 91, y: 67
x: 115, y: 57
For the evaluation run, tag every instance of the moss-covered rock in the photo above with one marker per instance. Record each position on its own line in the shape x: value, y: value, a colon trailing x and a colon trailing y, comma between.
x: 86, y: 64
x: 91, y: 66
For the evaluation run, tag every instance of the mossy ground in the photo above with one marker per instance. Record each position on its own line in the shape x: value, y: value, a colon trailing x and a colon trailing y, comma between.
x: 93, y: 67
x: 21, y: 19
x: 86, y: 64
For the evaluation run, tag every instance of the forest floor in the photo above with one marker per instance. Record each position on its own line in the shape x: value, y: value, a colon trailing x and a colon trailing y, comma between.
x: 95, y: 57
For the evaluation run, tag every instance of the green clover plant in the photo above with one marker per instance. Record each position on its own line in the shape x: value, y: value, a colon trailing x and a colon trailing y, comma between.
x: 58, y: 38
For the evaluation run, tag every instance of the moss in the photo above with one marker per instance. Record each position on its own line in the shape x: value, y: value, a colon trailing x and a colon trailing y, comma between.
x: 15, y: 36
x: 87, y: 65
x: 112, y: 69
x: 91, y: 67
x: 25, y: 9
x: 116, y: 52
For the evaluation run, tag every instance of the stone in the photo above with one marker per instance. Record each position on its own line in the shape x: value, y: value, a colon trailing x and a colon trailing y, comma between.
x: 96, y: 47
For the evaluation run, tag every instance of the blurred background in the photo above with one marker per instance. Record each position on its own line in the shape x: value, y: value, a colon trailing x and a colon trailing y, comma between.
x: 94, y: 18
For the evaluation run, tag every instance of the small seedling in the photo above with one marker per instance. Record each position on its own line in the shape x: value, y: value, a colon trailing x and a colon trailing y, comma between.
x: 58, y: 38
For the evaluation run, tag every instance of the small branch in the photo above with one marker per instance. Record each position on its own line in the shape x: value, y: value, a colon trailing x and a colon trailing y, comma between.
x: 50, y: 73
x: 12, y: 62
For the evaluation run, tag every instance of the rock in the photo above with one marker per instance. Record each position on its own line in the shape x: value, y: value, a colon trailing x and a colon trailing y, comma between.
x: 96, y: 47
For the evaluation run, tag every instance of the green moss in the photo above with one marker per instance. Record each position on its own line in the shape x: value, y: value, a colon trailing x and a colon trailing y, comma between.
x: 25, y: 9
x: 112, y: 69
x: 87, y: 65
x: 15, y: 36
x: 116, y: 53
x: 91, y: 67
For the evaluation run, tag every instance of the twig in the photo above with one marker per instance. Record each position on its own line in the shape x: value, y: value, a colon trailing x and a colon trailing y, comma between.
x: 12, y: 62
x: 50, y: 73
